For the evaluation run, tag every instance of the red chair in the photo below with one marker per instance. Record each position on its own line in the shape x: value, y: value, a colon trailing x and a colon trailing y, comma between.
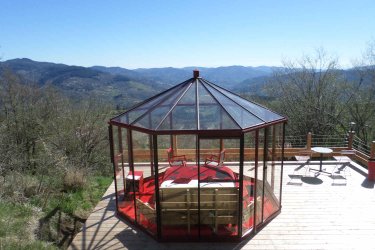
x: 215, y: 160
x: 175, y: 160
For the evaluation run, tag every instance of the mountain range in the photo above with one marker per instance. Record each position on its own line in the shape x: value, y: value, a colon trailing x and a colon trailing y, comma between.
x: 229, y: 76
x: 124, y: 87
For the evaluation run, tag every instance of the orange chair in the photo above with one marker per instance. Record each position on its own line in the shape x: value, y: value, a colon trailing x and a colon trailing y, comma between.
x: 215, y: 160
x: 175, y: 160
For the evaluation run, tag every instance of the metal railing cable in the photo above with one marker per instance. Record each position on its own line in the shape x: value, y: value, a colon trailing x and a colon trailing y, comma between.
x: 361, y: 146
x: 294, y: 141
x: 329, y: 140
x: 332, y: 141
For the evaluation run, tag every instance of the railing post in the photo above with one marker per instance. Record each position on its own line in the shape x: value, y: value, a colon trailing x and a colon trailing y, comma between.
x: 371, y: 163
x: 174, y: 144
x: 308, y: 141
x: 350, y: 139
x: 372, y: 153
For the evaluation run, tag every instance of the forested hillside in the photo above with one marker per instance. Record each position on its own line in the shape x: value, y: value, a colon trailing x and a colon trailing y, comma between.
x: 80, y: 82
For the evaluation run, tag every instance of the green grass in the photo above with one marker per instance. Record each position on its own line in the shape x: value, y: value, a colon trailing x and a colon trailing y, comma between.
x: 15, y: 229
x: 81, y: 202
x: 15, y: 219
x: 24, y: 245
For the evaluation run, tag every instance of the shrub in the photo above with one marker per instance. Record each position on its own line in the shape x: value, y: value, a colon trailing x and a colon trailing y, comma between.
x: 74, y: 180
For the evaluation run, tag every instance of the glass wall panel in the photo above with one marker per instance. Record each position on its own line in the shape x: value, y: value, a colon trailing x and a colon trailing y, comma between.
x: 178, y: 179
x: 278, y: 162
x: 259, y: 178
x: 186, y: 145
x: 117, y: 162
x: 248, y: 183
x: 270, y: 201
x: 219, y: 187
x: 164, y: 143
x: 143, y: 181
x: 125, y: 199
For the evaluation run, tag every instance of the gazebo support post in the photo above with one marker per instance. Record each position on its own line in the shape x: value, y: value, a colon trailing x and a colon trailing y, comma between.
x: 199, y: 187
x: 152, y: 165
x: 111, y: 147
x: 256, y: 180
x: 150, y: 147
x: 221, y: 127
x: 156, y: 180
x: 130, y: 148
x: 240, y: 208
x: 282, y: 163
x: 131, y: 166
x: 122, y: 154
x: 174, y: 144
x: 265, y: 156
x: 273, y: 157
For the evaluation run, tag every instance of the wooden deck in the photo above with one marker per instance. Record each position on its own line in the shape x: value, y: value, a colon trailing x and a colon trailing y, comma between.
x: 315, y: 215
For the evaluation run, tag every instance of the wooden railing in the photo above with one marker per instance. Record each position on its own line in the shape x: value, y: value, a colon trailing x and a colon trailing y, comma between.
x: 290, y: 150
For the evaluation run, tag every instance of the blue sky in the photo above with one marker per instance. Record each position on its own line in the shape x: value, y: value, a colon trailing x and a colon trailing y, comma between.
x: 156, y: 33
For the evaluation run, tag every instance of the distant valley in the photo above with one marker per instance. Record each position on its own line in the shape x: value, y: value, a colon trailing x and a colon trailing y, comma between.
x: 124, y: 87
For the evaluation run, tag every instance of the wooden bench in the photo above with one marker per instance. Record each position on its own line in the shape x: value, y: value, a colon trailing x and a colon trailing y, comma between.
x: 179, y: 206
x: 219, y: 206
x: 146, y: 210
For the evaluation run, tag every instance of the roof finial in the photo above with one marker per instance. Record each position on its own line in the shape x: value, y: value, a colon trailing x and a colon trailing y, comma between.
x: 196, y: 73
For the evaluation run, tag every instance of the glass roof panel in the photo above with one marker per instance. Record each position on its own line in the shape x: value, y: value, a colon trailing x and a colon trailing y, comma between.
x: 166, y: 124
x: 184, y: 114
x: 176, y: 109
x: 157, y: 113
x: 211, y: 114
x: 142, y: 109
x: 184, y: 118
x: 239, y: 114
x: 259, y: 111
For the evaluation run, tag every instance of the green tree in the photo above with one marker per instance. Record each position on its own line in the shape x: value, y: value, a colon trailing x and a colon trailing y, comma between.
x: 361, y: 108
x: 310, y: 93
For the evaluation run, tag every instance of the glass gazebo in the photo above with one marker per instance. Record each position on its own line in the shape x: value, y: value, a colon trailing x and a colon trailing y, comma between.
x: 198, y: 162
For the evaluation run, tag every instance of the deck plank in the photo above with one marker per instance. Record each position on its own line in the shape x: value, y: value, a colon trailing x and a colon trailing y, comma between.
x: 313, y: 216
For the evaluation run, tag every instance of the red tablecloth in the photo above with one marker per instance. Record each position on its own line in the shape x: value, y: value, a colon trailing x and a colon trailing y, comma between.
x: 181, y: 174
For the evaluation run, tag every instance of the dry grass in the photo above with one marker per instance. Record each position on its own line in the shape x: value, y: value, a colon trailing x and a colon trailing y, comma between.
x: 74, y: 179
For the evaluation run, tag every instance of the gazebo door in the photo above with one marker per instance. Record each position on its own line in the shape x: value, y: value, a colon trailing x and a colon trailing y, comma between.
x: 218, y: 192
x: 272, y: 175
x: 259, y: 176
x: 268, y: 176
